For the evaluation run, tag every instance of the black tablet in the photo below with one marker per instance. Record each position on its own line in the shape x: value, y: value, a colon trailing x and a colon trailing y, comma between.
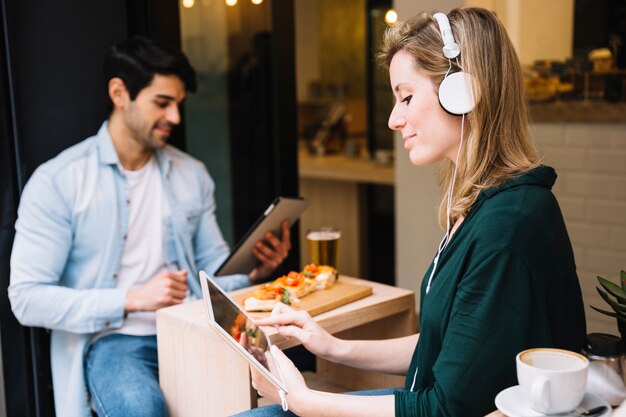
x: 241, y: 259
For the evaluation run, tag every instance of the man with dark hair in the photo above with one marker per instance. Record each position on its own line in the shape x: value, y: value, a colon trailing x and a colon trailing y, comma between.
x: 113, y: 229
x: 135, y: 62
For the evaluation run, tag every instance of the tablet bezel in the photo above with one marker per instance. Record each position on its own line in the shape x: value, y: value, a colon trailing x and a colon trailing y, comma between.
x: 241, y: 259
x: 273, y: 379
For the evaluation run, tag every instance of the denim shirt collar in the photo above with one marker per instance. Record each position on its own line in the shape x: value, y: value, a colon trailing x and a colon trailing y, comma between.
x: 164, y: 160
x: 106, y: 150
x: 108, y: 154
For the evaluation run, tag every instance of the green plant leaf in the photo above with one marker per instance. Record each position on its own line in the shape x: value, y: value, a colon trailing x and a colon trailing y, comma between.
x: 613, y: 289
x: 614, y: 305
x: 607, y: 313
x: 620, y: 316
x: 623, y: 279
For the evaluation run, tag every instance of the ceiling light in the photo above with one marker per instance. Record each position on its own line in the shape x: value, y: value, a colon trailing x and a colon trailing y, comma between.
x: 391, y: 17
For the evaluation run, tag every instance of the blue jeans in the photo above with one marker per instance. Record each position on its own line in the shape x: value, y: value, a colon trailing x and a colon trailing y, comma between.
x: 122, y: 377
x: 275, y: 410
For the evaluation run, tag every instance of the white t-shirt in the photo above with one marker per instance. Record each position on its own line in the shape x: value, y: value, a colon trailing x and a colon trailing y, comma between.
x: 144, y: 252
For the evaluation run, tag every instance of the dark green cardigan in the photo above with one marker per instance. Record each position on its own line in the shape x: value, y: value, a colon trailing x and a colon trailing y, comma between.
x: 506, y: 282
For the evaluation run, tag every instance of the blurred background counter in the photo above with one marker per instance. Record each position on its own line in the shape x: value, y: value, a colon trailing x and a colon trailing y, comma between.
x: 338, y: 189
x: 339, y: 167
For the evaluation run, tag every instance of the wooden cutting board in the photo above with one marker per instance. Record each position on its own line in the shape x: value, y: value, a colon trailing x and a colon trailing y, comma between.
x: 320, y: 301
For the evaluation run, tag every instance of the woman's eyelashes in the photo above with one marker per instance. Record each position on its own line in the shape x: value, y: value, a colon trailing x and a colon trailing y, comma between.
x: 407, y: 99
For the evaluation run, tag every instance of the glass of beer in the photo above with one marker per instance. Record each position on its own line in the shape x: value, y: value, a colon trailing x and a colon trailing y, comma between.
x: 323, y: 246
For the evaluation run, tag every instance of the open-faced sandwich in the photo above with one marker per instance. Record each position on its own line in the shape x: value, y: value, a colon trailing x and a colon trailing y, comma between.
x: 290, y: 288
x: 324, y: 275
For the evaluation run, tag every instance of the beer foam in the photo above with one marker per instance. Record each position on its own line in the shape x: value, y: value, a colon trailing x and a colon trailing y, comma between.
x: 323, y: 235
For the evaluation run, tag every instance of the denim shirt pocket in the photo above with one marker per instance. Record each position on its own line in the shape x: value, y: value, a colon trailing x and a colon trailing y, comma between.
x: 192, y: 220
x: 180, y: 227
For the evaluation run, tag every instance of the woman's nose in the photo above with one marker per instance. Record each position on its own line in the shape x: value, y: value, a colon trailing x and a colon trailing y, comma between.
x: 396, y: 120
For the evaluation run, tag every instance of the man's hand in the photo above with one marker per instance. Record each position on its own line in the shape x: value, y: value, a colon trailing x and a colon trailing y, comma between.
x: 162, y: 290
x: 271, y: 253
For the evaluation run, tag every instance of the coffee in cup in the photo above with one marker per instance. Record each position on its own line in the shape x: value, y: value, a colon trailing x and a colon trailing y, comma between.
x: 553, y: 380
x: 323, y: 245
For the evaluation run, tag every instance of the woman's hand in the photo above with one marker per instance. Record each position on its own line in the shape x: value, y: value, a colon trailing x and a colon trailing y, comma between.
x: 304, y: 401
x: 299, y: 324
x: 282, y: 367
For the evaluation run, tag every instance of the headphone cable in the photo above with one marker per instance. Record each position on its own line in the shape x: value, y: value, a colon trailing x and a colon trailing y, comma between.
x: 446, y: 238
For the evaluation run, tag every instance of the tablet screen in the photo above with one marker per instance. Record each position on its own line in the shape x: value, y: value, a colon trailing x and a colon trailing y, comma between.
x: 237, y: 324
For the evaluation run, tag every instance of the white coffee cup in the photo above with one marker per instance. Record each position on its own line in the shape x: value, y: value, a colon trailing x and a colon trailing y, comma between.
x: 553, y: 380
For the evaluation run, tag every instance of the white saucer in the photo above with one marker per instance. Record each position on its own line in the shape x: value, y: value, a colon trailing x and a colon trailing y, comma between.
x: 511, y: 402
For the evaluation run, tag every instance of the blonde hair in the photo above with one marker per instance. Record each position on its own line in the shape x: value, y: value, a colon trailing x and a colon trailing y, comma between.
x: 497, y: 143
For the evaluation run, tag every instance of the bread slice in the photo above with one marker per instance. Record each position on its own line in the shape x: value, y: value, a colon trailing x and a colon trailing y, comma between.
x: 254, y: 304
x: 297, y: 283
x: 266, y: 297
x: 324, y: 275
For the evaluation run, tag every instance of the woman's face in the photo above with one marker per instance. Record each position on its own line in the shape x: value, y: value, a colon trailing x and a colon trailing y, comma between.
x: 429, y: 133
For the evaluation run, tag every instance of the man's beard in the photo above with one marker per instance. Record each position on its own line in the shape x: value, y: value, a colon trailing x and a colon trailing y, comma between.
x: 152, y: 141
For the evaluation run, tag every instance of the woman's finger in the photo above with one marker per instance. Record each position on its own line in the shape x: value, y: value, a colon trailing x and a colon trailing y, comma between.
x: 278, y: 359
x: 294, y: 331
x: 262, y: 386
x: 270, y: 362
x: 254, y: 376
x: 282, y: 320
x: 281, y: 308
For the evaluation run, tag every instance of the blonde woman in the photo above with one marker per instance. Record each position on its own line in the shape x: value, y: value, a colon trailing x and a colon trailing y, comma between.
x: 503, y: 279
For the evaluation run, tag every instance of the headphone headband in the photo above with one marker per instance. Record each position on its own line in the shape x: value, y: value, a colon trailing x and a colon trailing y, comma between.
x: 450, y: 48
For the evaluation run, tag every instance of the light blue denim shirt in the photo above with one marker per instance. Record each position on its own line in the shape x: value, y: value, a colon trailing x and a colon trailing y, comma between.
x: 70, y: 234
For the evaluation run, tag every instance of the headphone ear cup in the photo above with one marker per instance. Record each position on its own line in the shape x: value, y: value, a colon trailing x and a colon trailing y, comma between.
x: 455, y: 93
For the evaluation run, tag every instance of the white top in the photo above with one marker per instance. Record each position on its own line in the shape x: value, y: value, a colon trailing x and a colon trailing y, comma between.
x: 144, y: 254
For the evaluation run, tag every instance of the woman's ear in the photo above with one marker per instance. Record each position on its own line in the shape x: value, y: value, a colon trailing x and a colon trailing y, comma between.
x: 118, y: 92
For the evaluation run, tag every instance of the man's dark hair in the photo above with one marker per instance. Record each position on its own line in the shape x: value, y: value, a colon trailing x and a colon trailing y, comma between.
x: 138, y: 59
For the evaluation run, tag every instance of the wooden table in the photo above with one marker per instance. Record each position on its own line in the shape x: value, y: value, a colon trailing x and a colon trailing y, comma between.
x: 201, y: 375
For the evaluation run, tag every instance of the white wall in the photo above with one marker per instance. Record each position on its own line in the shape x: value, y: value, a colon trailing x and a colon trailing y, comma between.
x: 590, y: 160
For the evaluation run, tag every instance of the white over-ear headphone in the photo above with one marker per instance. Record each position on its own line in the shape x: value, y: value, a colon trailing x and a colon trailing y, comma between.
x: 455, y: 92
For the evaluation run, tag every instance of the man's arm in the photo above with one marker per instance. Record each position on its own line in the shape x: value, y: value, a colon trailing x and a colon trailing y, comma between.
x: 41, y: 248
